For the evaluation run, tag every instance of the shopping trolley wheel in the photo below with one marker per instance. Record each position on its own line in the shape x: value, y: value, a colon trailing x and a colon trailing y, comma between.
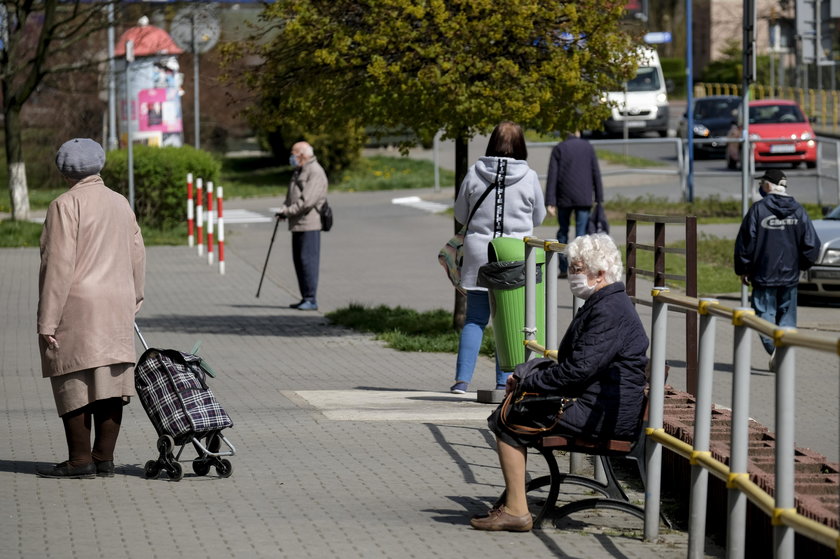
x: 151, y: 469
x: 224, y: 468
x: 165, y: 444
x: 201, y: 467
x: 175, y: 471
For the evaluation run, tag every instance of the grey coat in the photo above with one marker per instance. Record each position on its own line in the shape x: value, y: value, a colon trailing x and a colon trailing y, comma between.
x: 523, y: 210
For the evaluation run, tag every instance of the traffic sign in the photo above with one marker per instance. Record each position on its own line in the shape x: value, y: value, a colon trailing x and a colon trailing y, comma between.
x: 655, y: 37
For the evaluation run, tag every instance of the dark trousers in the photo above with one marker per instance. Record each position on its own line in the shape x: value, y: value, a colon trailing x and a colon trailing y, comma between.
x: 306, y: 254
x: 564, y: 219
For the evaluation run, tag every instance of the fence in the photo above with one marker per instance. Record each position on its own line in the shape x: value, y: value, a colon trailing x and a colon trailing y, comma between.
x: 824, y: 104
x: 784, y: 517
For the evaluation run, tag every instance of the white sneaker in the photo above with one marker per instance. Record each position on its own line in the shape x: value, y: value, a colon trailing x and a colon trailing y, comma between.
x: 772, y: 364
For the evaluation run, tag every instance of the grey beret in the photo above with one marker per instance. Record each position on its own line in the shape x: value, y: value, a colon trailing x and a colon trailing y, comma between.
x: 80, y: 158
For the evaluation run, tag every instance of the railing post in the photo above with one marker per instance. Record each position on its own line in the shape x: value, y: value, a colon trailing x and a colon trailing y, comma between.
x: 702, y: 433
x: 552, y: 264
x: 783, y: 536
x: 530, y: 329
x: 819, y: 171
x: 656, y: 402
x: 739, y: 441
x: 837, y: 166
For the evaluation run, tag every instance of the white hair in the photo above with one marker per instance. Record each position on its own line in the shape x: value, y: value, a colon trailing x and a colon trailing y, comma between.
x: 306, y: 149
x: 774, y: 188
x: 598, y: 253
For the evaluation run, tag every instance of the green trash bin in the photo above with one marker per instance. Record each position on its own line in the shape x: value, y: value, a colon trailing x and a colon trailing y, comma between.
x: 504, y: 277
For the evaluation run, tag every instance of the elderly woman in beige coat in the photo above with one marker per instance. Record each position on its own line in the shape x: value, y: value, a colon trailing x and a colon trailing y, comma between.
x: 91, y: 286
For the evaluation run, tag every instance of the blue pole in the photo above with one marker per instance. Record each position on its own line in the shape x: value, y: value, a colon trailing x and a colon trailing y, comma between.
x: 689, y: 86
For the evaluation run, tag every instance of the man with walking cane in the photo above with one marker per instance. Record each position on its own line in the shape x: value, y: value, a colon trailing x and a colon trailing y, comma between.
x: 307, y: 193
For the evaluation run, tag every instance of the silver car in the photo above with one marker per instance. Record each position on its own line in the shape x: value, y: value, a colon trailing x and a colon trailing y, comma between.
x: 823, y: 279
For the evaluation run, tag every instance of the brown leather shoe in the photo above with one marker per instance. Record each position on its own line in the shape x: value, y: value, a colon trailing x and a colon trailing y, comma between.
x: 500, y: 520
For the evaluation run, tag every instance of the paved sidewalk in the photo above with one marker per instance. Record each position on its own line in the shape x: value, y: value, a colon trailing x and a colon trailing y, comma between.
x: 345, y: 448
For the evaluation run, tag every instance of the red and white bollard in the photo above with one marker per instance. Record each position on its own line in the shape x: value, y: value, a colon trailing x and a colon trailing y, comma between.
x: 221, y: 235
x: 210, y: 222
x: 199, y: 213
x: 190, y: 220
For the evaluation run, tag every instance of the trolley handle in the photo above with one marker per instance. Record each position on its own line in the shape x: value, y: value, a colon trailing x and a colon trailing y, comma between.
x: 139, y: 335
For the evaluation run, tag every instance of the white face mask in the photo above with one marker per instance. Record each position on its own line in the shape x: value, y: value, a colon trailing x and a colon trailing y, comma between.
x: 579, y: 284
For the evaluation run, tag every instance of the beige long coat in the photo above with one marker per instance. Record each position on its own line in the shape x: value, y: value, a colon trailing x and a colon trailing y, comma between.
x: 307, y: 191
x: 91, y: 280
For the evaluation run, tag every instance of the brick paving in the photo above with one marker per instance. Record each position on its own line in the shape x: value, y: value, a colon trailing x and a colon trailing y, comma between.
x: 307, y: 481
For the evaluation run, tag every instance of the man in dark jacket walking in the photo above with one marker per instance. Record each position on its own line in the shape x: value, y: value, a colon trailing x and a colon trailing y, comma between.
x: 776, y: 241
x: 574, y: 179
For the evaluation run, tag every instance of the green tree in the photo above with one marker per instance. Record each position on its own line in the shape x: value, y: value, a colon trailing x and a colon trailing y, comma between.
x: 460, y: 66
x: 40, y: 38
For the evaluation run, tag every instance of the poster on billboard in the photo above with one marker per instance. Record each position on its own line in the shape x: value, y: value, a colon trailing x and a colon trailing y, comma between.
x: 158, y: 111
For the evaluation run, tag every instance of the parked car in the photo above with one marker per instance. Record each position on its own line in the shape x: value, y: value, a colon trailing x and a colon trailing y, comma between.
x: 823, y: 279
x: 643, y: 105
x: 713, y: 118
x: 774, y: 119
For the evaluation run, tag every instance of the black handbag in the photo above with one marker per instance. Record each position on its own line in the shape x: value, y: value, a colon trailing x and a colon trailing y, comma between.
x: 531, y: 413
x: 326, y: 216
x: 597, y: 220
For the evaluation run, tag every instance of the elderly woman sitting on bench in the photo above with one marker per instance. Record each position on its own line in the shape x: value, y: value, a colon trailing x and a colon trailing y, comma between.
x: 600, y: 367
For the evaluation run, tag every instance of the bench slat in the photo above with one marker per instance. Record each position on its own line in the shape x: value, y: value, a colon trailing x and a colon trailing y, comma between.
x: 583, y: 445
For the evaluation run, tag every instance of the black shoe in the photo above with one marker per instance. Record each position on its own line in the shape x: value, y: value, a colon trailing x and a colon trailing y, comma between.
x: 104, y: 468
x: 562, y: 275
x: 64, y: 470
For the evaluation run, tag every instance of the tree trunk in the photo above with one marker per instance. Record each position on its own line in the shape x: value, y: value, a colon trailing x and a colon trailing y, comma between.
x: 18, y: 192
x: 459, y: 315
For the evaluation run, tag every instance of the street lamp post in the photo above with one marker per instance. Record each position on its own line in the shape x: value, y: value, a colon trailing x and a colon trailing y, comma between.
x: 129, y: 58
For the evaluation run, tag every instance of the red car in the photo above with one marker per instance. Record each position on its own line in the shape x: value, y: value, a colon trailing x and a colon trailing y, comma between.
x: 773, y: 119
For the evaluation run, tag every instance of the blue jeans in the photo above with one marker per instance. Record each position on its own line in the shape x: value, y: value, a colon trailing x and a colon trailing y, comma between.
x: 776, y: 305
x: 478, y: 315
x: 564, y: 219
x: 306, y: 254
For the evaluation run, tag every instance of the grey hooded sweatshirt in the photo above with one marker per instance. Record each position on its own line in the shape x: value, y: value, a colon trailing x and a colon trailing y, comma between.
x: 523, y: 209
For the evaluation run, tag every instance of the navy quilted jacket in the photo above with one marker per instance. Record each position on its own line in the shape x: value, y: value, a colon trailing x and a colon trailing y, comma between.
x: 574, y: 177
x: 601, y: 361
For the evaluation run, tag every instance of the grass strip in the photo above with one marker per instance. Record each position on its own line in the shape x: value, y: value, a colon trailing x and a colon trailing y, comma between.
x: 407, y: 329
x: 28, y: 234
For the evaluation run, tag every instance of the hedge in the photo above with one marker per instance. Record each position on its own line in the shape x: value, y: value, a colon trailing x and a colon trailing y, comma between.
x: 159, y: 180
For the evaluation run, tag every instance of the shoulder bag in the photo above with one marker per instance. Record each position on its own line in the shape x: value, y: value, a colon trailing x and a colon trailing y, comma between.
x: 597, y: 220
x: 451, y: 256
x: 532, y: 413
x: 326, y: 216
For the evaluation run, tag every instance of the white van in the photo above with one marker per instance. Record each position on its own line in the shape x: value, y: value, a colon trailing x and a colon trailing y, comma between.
x: 644, y: 105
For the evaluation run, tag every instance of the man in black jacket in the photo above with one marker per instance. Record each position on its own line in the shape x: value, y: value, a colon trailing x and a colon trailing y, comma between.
x: 574, y: 179
x: 776, y: 241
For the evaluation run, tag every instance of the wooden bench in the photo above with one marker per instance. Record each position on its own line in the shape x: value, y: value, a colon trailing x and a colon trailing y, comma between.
x: 612, y: 494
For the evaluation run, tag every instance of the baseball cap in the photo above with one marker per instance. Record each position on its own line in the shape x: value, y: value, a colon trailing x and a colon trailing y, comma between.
x: 775, y: 176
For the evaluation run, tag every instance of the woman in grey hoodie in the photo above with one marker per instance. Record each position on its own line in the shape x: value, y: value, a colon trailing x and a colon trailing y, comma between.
x: 512, y: 207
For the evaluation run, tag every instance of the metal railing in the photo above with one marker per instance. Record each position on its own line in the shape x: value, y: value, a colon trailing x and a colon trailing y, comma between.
x: 781, y: 510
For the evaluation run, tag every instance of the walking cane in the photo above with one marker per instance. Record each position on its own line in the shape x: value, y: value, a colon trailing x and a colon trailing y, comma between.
x: 271, y: 244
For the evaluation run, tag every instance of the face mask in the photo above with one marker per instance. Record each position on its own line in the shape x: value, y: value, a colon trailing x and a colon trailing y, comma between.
x: 293, y: 161
x: 579, y: 284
